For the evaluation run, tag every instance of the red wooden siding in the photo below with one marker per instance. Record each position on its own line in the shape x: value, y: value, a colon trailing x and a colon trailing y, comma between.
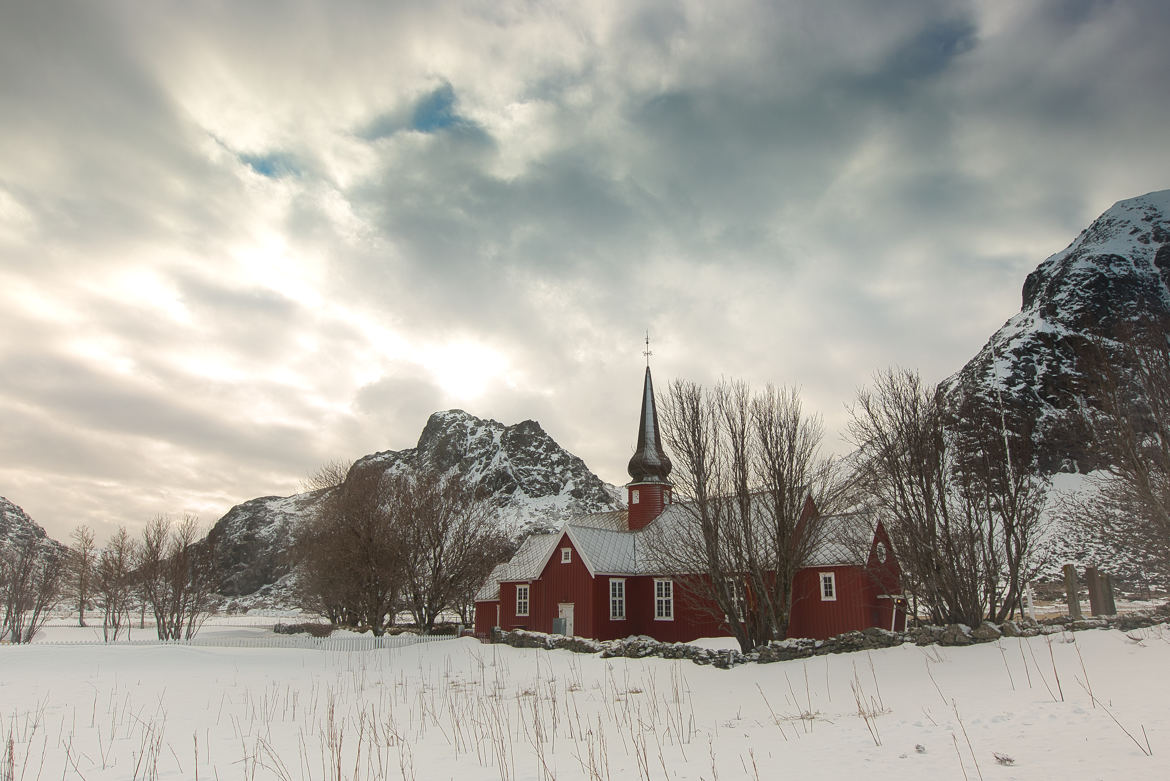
x: 651, y: 502
x: 863, y: 597
x: 485, y: 617
x: 565, y: 583
x: 817, y: 618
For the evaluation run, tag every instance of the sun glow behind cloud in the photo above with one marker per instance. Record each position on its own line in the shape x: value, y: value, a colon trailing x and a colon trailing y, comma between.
x: 465, y: 369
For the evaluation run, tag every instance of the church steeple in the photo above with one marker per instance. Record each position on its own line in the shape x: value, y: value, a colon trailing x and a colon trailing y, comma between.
x: 649, y: 462
x: 649, y: 468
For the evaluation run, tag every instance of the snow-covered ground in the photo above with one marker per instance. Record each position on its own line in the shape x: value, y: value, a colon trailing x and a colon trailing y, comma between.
x: 459, y: 709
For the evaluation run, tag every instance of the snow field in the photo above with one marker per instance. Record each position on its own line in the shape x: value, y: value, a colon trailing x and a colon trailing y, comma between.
x: 459, y: 709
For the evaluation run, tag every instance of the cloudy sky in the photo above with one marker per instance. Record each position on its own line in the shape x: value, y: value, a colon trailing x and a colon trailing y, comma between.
x: 240, y: 239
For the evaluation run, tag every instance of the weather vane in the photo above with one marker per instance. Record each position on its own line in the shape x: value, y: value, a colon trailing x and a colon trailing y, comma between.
x: 647, y: 352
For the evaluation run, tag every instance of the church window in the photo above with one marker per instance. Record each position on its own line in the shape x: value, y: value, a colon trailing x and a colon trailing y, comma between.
x: 566, y: 555
x: 634, y: 496
x: 663, y: 599
x: 828, y: 587
x: 522, y: 600
x: 617, y: 599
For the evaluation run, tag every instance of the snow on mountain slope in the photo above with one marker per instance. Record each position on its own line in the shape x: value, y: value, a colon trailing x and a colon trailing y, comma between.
x: 1113, y: 278
x: 531, y: 479
x: 16, y: 527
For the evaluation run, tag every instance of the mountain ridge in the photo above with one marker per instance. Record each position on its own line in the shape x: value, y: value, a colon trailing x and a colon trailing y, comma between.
x: 1085, y: 301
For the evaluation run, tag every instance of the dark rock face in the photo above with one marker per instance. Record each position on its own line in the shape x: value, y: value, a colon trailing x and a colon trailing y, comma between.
x: 528, y: 476
x: 252, y: 539
x: 1078, y: 307
x: 509, y: 461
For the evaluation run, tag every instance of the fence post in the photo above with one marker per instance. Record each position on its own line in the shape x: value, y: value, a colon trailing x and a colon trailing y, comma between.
x: 1070, y: 589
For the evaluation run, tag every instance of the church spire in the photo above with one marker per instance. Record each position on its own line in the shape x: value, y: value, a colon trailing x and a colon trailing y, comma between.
x: 649, y: 488
x: 649, y: 462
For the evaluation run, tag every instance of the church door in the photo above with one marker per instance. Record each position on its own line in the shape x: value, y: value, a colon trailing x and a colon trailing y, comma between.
x: 565, y: 611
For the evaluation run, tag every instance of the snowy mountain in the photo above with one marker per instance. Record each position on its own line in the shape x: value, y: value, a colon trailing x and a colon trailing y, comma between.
x: 531, y: 479
x: 16, y: 527
x: 1039, y: 366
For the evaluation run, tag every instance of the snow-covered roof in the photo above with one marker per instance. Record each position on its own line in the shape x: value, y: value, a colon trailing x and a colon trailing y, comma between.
x: 614, y: 520
x: 605, y: 551
x: 842, y: 539
x: 530, y: 559
x: 607, y: 548
x: 490, y: 590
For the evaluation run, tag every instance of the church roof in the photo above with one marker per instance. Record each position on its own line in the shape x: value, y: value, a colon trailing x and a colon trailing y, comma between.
x: 608, y: 549
x: 530, y: 559
x: 490, y: 590
x: 649, y: 464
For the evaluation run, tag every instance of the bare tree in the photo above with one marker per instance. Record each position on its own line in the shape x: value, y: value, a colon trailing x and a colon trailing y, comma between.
x: 746, y: 465
x: 82, y: 557
x: 350, y: 553
x: 1132, y: 424
x: 30, y: 583
x: 453, y: 536
x: 964, y: 520
x: 113, y: 583
x: 175, y: 576
x: 998, y: 486
x: 330, y: 475
x: 906, y: 466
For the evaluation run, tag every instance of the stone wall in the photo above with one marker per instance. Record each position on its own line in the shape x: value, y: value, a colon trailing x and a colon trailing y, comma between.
x: 637, y: 647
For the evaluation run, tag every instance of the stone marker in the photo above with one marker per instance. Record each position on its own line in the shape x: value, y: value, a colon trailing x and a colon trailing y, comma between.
x: 1070, y: 588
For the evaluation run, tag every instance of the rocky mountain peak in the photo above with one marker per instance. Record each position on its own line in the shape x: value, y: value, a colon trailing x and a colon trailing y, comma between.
x: 16, y: 526
x: 1113, y: 279
x: 530, y: 479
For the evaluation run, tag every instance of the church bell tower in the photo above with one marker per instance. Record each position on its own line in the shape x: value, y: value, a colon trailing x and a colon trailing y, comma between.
x: 649, y: 487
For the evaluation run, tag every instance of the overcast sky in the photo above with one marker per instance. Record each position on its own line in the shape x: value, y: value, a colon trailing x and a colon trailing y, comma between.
x: 239, y: 239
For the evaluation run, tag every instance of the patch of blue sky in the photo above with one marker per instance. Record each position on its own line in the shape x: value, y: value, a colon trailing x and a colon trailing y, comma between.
x: 435, y: 112
x: 274, y: 165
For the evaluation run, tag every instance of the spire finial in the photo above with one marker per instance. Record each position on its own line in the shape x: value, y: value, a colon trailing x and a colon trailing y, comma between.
x: 647, y: 352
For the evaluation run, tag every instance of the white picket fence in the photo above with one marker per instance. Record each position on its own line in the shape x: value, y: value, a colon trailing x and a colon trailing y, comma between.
x: 272, y: 640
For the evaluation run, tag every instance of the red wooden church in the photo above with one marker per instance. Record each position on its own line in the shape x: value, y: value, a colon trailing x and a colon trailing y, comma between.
x: 596, y: 573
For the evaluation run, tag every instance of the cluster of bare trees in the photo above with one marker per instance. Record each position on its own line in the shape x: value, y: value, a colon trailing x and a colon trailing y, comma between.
x: 30, y: 584
x: 746, y: 463
x: 1131, y: 423
x: 964, y: 519
x: 384, y: 543
x: 168, y: 571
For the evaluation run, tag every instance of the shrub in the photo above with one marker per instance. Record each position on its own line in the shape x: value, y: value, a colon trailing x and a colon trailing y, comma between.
x: 316, y: 630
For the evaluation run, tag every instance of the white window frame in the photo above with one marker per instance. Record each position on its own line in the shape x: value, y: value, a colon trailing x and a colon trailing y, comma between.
x: 566, y: 555
x: 523, y: 597
x: 663, y: 599
x: 830, y: 579
x: 617, y: 599
x: 635, y: 496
